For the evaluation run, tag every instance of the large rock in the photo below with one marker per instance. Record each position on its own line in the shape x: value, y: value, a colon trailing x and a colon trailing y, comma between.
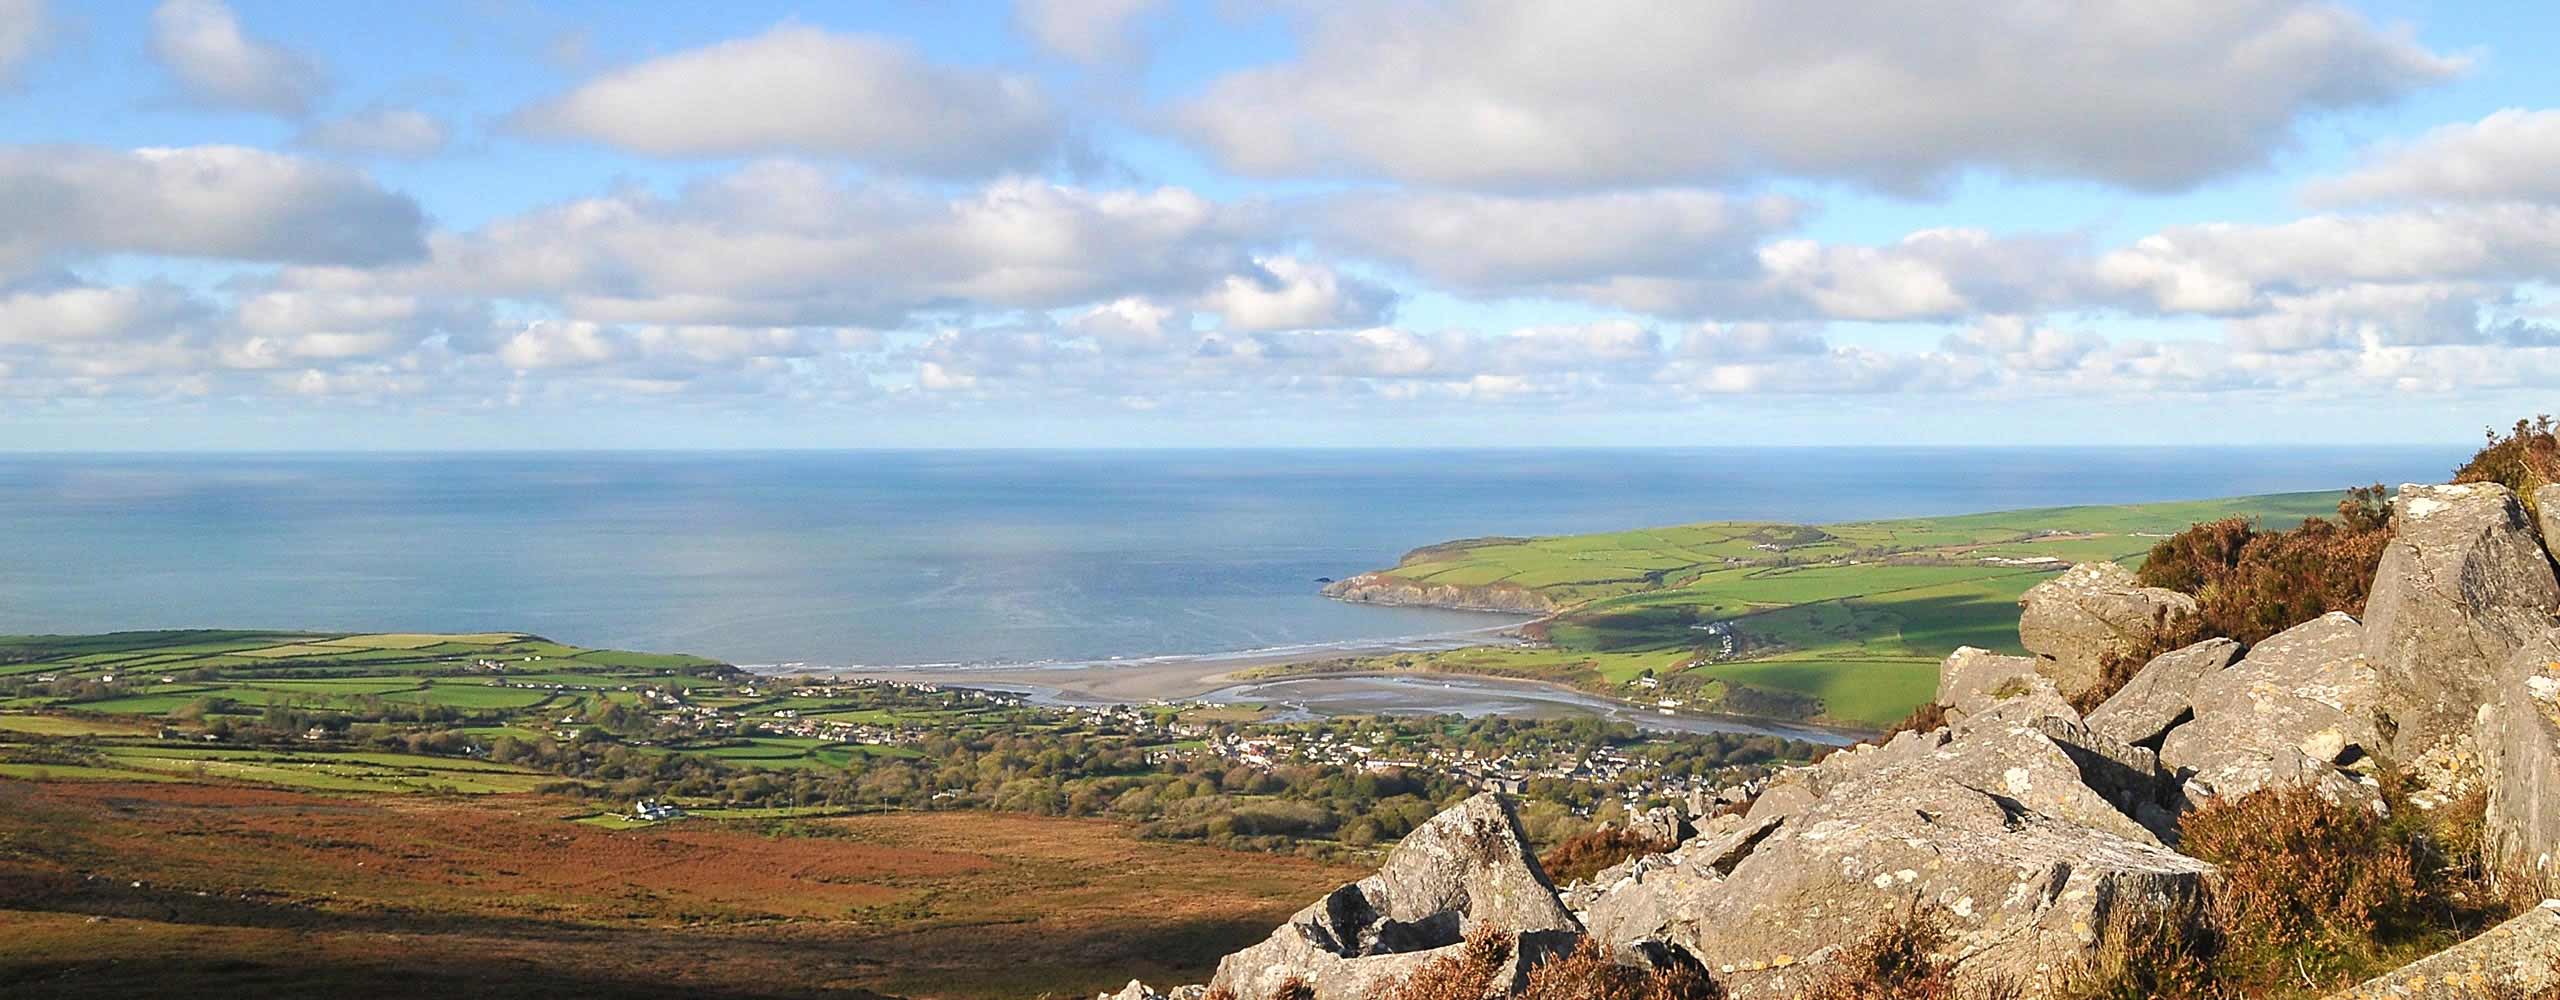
x: 2546, y: 510
x: 2519, y: 958
x: 2162, y: 695
x: 2519, y: 739
x: 1972, y: 680
x: 2074, y: 621
x: 1467, y: 868
x: 2298, y: 707
x: 2463, y: 583
x: 1999, y: 830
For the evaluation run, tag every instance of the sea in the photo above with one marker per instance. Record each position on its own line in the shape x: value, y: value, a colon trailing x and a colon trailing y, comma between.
x: 888, y: 558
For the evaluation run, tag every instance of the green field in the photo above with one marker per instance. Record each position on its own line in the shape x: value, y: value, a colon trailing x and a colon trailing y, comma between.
x: 1842, y: 623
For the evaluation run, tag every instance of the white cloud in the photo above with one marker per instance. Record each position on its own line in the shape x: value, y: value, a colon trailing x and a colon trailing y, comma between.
x: 86, y: 314
x: 1929, y: 275
x: 2233, y: 268
x: 2513, y: 155
x: 803, y: 90
x: 1285, y: 293
x: 218, y: 65
x: 24, y: 29
x: 202, y: 201
x: 1900, y: 95
x: 788, y: 244
x: 1093, y: 32
x: 2354, y: 315
x: 1508, y: 244
x: 378, y: 131
x: 1130, y: 325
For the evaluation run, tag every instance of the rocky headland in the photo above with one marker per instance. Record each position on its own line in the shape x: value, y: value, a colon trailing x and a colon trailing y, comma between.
x: 1382, y: 588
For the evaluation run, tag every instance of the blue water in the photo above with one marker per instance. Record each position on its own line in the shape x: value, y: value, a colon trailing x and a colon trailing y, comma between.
x: 880, y: 558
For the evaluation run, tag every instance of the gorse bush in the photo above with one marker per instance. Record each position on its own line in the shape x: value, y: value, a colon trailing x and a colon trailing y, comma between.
x: 2524, y: 459
x: 2250, y: 583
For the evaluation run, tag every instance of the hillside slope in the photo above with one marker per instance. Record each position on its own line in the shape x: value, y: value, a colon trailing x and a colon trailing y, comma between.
x: 1842, y: 623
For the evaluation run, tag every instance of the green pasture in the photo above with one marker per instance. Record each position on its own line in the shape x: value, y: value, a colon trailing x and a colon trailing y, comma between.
x: 1856, y: 614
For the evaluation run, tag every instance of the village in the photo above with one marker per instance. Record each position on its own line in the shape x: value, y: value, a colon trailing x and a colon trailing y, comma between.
x: 886, y: 713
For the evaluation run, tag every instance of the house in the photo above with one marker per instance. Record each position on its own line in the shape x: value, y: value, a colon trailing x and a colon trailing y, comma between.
x: 653, y: 811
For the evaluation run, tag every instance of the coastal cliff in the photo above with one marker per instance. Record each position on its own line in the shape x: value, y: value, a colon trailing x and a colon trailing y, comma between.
x: 1382, y: 588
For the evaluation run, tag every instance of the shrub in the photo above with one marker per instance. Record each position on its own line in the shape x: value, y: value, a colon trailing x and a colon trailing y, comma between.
x: 2525, y: 459
x: 1588, y: 974
x: 2306, y: 882
x: 2250, y: 584
x: 1467, y: 975
x: 1584, y: 855
x: 1903, y: 960
x: 1930, y: 715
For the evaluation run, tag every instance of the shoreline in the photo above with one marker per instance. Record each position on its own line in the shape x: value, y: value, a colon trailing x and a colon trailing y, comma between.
x: 1191, y: 677
x: 1136, y: 680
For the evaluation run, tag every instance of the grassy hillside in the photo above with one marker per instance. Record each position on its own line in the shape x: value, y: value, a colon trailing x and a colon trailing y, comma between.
x: 1841, y: 622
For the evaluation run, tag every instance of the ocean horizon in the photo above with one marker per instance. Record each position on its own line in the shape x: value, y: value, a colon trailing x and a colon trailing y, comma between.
x: 977, y: 556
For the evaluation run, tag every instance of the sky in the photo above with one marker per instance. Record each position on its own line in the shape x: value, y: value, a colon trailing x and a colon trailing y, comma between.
x: 1241, y: 223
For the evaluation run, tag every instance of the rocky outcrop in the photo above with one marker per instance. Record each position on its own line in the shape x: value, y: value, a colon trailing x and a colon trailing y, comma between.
x: 1384, y: 588
x: 1467, y: 868
x: 2295, y: 711
x: 2519, y: 740
x: 1663, y: 824
x: 2094, y: 610
x: 2463, y: 584
x: 2519, y: 958
x: 2000, y: 829
x: 2034, y: 837
x: 2162, y: 694
x: 1972, y: 680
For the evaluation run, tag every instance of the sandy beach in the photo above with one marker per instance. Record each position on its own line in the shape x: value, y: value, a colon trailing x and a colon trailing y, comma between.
x: 1172, y: 678
x: 1217, y: 678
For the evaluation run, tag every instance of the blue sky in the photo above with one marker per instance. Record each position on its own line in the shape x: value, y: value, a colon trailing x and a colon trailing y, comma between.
x: 1159, y: 223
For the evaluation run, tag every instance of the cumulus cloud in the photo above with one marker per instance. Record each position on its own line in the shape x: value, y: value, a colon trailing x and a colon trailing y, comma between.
x: 1130, y: 325
x: 789, y: 244
x: 216, y: 64
x: 202, y: 201
x: 1513, y: 94
x: 377, y: 131
x: 803, y: 90
x: 24, y: 28
x: 1285, y: 293
x: 2354, y: 315
x: 2234, y: 268
x: 1512, y: 244
x: 1093, y: 32
x: 2513, y: 155
x: 85, y: 314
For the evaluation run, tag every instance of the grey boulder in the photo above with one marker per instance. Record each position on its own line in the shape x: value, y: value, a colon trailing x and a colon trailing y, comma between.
x: 1973, y: 680
x: 2463, y: 583
x: 1999, y: 830
x: 2300, y: 705
x: 2074, y: 621
x: 1469, y: 867
x: 2519, y: 958
x: 2519, y: 738
x: 2162, y: 694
